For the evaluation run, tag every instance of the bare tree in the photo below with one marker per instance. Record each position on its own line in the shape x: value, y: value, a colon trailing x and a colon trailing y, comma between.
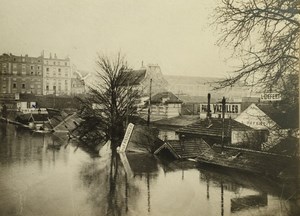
x: 265, y: 34
x: 109, y: 103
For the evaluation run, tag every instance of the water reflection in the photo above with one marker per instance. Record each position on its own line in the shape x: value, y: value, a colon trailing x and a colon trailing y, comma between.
x: 43, y: 174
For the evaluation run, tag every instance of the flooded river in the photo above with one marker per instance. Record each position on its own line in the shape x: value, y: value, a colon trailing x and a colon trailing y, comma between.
x: 49, y: 175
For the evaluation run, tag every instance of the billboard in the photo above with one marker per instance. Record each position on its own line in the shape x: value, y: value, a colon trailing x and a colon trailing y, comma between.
x: 270, y: 97
x: 217, y: 108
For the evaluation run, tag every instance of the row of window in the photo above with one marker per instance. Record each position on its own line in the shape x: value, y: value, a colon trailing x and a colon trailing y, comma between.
x: 23, y: 79
x: 23, y: 86
x: 56, y: 63
x: 38, y: 67
x: 54, y: 88
x: 23, y: 60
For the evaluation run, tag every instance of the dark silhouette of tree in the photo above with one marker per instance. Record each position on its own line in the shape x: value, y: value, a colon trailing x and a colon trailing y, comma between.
x: 265, y: 34
x: 108, y: 104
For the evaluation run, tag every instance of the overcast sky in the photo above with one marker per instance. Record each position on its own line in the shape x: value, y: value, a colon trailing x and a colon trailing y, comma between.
x: 173, y: 34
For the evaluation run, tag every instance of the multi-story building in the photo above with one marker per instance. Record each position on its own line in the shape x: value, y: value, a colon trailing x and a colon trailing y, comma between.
x: 57, y: 76
x: 21, y: 74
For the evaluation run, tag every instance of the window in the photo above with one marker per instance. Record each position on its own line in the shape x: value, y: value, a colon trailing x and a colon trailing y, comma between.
x: 47, y: 69
x: 54, y: 63
x: 14, y: 85
x: 38, y: 67
x: 47, y: 87
x: 31, y: 67
x: 54, y: 88
x: 23, y: 85
x: 59, y: 70
x: 66, y: 63
x: 23, y: 69
x: 31, y: 72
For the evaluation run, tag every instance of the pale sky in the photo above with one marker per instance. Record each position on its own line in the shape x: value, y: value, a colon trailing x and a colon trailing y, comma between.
x: 173, y: 34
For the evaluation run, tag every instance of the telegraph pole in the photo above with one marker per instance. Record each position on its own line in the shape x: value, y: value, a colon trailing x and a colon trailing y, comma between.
x: 149, y: 104
x: 223, y: 117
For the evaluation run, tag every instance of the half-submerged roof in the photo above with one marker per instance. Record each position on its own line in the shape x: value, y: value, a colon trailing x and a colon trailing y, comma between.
x: 183, y: 149
x: 214, y: 127
x: 40, y: 117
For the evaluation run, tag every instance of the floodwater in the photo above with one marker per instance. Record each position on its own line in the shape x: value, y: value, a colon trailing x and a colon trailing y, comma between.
x: 47, y: 175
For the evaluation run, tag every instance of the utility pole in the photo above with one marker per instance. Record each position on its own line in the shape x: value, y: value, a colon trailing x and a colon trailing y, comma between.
x: 127, y: 92
x: 149, y: 104
x: 223, y: 117
x: 208, y: 114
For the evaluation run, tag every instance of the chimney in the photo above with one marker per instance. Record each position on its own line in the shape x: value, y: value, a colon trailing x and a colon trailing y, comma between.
x: 55, y: 56
x: 50, y: 56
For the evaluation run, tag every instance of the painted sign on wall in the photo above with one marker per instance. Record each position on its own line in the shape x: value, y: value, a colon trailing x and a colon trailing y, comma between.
x: 217, y: 108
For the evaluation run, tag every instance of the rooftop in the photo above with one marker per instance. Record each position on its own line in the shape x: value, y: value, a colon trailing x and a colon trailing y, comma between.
x: 183, y: 149
x: 134, y: 77
x: 169, y: 96
x: 179, y: 121
x: 213, y: 128
x: 283, y: 119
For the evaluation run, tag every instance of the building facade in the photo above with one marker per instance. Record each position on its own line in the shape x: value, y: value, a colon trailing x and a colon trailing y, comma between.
x: 57, y: 76
x: 163, y: 105
x: 273, y: 124
x: 21, y: 74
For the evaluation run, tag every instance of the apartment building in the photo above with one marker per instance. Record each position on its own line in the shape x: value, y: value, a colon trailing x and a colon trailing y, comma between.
x: 57, y: 76
x: 21, y: 74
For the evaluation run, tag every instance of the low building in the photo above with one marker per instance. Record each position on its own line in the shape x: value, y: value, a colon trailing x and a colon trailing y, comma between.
x: 214, y: 129
x: 270, y: 121
x: 163, y: 105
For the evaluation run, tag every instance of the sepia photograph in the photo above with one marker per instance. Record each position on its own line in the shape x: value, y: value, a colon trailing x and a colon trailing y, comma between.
x: 155, y: 108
